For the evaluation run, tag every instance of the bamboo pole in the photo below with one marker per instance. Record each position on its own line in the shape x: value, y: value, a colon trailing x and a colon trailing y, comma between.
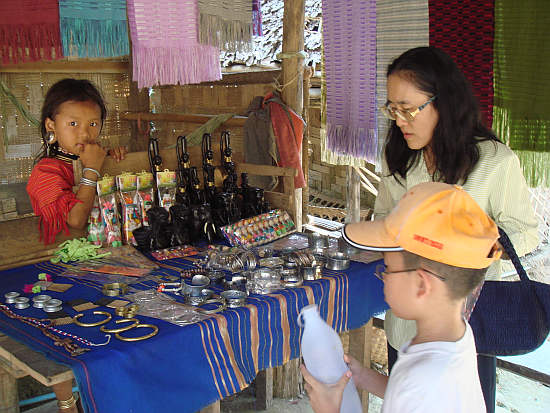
x: 287, y: 378
x: 308, y: 71
x: 292, y: 66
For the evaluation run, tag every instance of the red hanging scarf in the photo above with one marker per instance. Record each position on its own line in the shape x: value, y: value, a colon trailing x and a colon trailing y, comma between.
x: 29, y: 31
x: 465, y: 30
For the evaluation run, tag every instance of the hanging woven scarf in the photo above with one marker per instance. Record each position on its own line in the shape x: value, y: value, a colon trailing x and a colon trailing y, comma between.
x: 29, y: 31
x: 400, y: 26
x: 94, y: 28
x: 226, y: 24
x: 522, y: 84
x: 165, y: 49
x: 465, y: 30
x: 257, y: 18
x: 349, y: 36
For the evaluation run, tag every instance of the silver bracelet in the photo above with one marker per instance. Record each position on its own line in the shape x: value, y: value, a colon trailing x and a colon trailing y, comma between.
x: 95, y: 171
x: 87, y: 182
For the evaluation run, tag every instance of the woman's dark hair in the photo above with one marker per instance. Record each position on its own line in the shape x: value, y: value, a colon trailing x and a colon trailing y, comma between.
x: 79, y: 90
x: 459, y: 129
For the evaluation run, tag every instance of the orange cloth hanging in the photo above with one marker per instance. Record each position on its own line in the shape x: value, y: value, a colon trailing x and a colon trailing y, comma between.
x: 289, y: 133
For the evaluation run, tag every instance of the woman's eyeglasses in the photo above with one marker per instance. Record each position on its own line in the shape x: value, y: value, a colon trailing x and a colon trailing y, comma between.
x: 380, y: 273
x: 407, y: 115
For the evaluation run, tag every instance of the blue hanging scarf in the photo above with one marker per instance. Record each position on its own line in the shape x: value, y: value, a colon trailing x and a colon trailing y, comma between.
x: 94, y: 28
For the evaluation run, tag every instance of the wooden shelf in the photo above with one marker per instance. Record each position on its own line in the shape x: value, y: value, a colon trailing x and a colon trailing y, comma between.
x: 180, y: 117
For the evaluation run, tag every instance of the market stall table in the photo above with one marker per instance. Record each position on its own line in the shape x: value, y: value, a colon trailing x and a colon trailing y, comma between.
x: 185, y: 368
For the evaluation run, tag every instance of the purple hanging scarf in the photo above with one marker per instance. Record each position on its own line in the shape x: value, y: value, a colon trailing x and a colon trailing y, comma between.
x: 349, y: 35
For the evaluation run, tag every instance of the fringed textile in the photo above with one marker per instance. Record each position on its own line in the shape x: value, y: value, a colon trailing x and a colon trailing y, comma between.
x: 522, y: 84
x: 400, y: 26
x: 50, y: 190
x: 349, y: 35
x: 94, y: 28
x: 465, y: 30
x: 29, y: 31
x: 226, y: 24
x: 165, y: 47
x: 257, y: 18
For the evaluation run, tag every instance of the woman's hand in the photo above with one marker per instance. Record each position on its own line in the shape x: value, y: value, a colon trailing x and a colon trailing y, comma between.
x: 92, y: 156
x: 118, y: 154
x: 325, y: 398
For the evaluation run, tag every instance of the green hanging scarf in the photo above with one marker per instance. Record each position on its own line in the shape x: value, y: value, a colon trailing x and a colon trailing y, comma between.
x: 522, y: 83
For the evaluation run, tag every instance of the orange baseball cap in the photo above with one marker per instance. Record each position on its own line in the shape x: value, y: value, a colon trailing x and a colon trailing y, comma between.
x: 437, y: 221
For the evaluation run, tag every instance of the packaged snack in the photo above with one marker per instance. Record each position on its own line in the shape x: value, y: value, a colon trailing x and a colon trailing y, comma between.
x: 129, y: 201
x: 96, y: 226
x: 145, y: 195
x: 106, y: 189
x: 166, y: 184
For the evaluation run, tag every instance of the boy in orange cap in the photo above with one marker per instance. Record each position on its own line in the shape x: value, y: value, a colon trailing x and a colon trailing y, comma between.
x: 437, y: 244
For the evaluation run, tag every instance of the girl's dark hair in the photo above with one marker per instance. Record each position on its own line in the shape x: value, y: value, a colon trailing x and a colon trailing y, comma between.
x: 459, y: 129
x: 79, y: 90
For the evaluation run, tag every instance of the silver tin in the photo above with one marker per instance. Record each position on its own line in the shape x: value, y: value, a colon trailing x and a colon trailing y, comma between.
x: 11, y: 296
x: 337, y: 261
x: 21, y: 303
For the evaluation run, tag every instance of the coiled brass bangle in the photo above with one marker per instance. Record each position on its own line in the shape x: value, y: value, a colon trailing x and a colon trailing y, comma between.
x: 221, y: 306
x: 97, y: 323
x: 121, y: 329
x: 145, y: 337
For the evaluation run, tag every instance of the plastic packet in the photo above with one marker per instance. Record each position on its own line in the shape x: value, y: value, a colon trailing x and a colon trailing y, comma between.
x: 129, y: 201
x: 106, y: 188
x: 166, y: 184
x: 145, y: 195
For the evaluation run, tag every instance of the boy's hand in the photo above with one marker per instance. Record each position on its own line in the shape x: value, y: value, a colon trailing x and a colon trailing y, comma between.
x: 325, y: 398
x: 118, y: 154
x: 355, y: 367
x: 92, y: 156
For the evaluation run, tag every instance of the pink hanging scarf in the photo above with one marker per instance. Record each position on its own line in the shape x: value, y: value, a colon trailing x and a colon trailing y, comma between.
x: 29, y: 31
x: 165, y: 47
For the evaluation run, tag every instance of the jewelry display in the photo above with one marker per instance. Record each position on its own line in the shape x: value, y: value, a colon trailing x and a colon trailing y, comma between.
x: 11, y: 296
x: 48, y: 329
x: 39, y: 300
x: 221, y: 306
x: 114, y: 289
x: 107, y: 315
x: 128, y: 311
x: 21, y: 303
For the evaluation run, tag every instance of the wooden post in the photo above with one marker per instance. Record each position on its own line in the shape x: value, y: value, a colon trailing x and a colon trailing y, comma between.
x: 287, y: 378
x: 9, y: 400
x: 293, y: 43
x: 264, y: 389
x: 308, y: 72
x: 353, y: 204
x: 360, y: 342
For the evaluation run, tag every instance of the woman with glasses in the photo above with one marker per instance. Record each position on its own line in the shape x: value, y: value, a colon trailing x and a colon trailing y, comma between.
x: 437, y: 134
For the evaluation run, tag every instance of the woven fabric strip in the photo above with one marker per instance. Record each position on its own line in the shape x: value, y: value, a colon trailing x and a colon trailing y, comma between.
x: 226, y: 24
x: 257, y: 18
x: 465, y: 30
x: 349, y: 36
x: 29, y: 31
x: 94, y: 28
x: 165, y: 47
x: 400, y: 26
x: 522, y: 74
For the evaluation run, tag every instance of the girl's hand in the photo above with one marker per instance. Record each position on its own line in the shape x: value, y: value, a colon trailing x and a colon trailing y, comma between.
x: 92, y: 156
x: 325, y: 398
x: 118, y: 154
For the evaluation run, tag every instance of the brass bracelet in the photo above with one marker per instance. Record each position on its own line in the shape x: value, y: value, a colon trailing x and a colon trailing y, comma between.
x: 97, y: 323
x: 145, y: 337
x: 121, y: 329
x: 114, y: 289
x: 66, y: 404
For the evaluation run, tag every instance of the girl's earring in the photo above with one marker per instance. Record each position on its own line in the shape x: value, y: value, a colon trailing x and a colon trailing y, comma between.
x: 50, y: 137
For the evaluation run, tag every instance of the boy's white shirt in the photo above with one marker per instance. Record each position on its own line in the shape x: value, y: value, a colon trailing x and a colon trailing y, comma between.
x: 436, y: 377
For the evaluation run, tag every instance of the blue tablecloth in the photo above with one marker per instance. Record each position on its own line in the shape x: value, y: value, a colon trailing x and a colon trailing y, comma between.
x: 186, y: 368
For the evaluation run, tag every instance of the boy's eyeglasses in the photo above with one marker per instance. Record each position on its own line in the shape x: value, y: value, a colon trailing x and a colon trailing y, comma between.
x: 407, y: 115
x: 380, y: 273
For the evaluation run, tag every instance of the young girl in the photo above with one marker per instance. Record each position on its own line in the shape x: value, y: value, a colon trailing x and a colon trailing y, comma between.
x: 72, y: 117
